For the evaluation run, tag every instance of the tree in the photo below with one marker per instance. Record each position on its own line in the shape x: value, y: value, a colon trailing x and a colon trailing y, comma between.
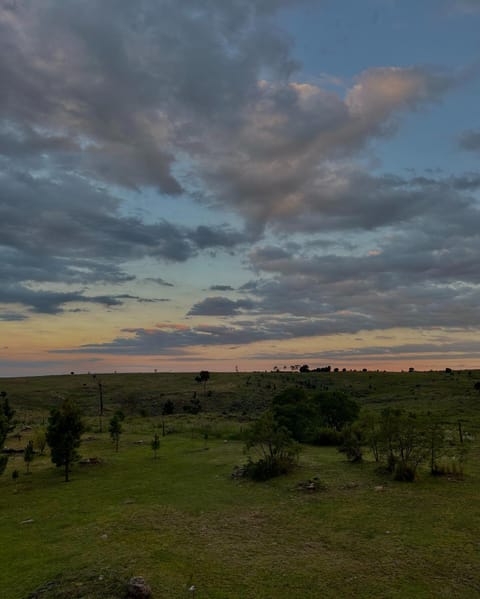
x: 40, y: 439
x: 115, y: 429
x: 100, y: 405
x: 3, y: 436
x: 28, y: 455
x: 155, y: 444
x: 64, y: 431
x: 404, y: 442
x: 203, y: 377
x: 295, y: 411
x: 336, y: 409
x: 369, y: 423
x: 6, y: 425
x: 7, y: 411
x: 168, y: 408
x: 278, y: 451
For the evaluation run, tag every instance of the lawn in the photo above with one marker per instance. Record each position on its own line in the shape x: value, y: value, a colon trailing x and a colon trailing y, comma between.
x: 181, y: 520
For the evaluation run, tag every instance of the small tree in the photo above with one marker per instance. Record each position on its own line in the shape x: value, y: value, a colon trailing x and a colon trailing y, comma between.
x: 369, y: 423
x: 168, y: 408
x: 7, y: 411
x: 40, y: 439
x: 278, y: 451
x: 3, y: 436
x: 115, y: 429
x: 64, y: 431
x: 403, y: 442
x: 28, y: 455
x: 203, y: 377
x: 155, y: 444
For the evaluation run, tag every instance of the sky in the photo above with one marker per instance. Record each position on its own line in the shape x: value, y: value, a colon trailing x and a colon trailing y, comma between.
x: 239, y: 185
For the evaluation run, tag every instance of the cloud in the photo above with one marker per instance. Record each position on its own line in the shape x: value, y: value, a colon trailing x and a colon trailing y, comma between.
x: 77, y: 234
x: 221, y: 288
x: 470, y: 7
x: 220, y: 306
x: 286, y: 159
x: 470, y: 140
x: 203, y: 102
x: 111, y: 88
x: 12, y: 317
x: 160, y: 281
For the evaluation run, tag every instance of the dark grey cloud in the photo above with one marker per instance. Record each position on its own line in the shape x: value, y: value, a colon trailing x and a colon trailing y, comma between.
x: 116, y: 84
x: 220, y: 306
x: 160, y: 281
x: 67, y: 230
x: 12, y: 316
x: 50, y: 302
x: 470, y: 140
x: 53, y: 302
x: 221, y: 288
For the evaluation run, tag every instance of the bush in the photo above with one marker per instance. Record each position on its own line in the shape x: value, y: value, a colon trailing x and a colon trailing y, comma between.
x: 404, y: 472
x: 3, y: 463
x: 327, y: 437
x: 448, y: 467
x: 352, y: 443
x: 266, y: 468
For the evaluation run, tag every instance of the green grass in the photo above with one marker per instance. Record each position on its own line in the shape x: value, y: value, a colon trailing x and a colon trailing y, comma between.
x: 181, y: 519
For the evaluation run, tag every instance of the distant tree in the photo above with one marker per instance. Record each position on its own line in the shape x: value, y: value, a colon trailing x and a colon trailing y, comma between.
x: 64, y: 431
x: 40, y: 439
x: 28, y: 455
x: 100, y: 404
x: 168, y: 408
x: 3, y: 436
x: 194, y: 407
x: 436, y: 442
x: 305, y: 368
x: 15, y: 475
x: 203, y: 377
x: 477, y: 386
x: 115, y: 429
x: 7, y: 410
x: 155, y: 444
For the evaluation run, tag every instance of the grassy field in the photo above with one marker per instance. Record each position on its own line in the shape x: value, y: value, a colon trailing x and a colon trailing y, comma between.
x: 181, y: 520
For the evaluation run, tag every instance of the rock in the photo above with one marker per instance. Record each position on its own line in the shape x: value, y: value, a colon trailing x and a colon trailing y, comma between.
x: 379, y: 488
x: 138, y: 588
x: 239, y: 472
x: 89, y: 461
x: 311, y: 485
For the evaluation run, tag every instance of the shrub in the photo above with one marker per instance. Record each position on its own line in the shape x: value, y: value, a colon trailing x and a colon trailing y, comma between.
x: 266, y: 468
x: 278, y: 451
x: 404, y: 472
x: 327, y: 437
